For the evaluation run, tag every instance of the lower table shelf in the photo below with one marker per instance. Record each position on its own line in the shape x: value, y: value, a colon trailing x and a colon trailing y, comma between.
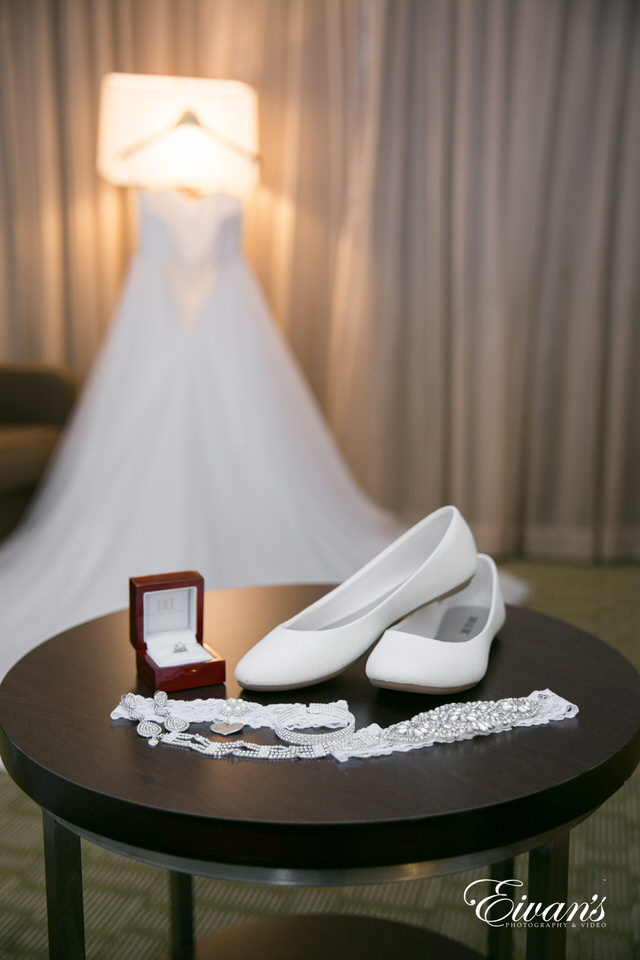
x: 319, y: 936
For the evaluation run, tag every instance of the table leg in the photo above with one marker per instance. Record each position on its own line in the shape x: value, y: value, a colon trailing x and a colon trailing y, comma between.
x: 500, y: 939
x: 63, y: 874
x: 181, y: 891
x: 548, y: 881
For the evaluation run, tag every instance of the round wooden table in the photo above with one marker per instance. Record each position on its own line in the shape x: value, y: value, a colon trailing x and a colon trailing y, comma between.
x: 317, y: 822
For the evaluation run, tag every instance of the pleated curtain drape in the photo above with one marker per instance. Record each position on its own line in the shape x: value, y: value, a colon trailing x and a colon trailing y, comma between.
x: 447, y: 231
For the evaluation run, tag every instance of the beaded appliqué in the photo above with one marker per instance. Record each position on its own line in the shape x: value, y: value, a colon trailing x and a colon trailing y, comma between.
x: 445, y: 724
x: 455, y: 721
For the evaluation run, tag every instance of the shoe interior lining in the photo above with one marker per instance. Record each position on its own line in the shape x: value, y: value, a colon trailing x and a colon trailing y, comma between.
x: 458, y: 617
x: 461, y: 623
x: 370, y: 587
x: 360, y: 612
x: 450, y: 624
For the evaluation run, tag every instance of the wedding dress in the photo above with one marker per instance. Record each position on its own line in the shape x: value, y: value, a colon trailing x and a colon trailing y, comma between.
x: 196, y: 445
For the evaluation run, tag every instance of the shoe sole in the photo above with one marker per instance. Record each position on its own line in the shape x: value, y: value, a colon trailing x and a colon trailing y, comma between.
x: 416, y: 688
x: 295, y: 686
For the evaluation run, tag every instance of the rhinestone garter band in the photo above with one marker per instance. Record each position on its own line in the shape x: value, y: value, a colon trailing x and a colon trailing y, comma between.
x: 161, y: 720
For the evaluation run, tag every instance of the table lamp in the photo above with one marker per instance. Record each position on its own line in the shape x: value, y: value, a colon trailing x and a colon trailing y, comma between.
x: 178, y: 132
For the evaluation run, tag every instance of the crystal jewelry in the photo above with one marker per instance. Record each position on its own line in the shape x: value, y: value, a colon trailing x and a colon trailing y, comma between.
x: 179, y: 646
x: 147, y: 728
x: 318, y: 713
x: 445, y: 724
x: 171, y: 722
x: 160, y: 700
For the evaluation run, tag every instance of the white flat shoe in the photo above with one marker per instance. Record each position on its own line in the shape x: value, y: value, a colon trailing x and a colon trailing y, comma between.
x: 443, y: 647
x: 434, y: 557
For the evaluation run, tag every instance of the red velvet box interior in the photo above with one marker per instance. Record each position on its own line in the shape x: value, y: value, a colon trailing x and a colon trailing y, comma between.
x: 178, y: 676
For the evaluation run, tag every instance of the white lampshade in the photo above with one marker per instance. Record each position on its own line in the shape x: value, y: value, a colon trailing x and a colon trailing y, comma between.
x: 178, y: 132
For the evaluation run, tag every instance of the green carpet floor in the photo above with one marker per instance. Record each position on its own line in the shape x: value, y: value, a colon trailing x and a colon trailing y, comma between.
x: 126, y: 903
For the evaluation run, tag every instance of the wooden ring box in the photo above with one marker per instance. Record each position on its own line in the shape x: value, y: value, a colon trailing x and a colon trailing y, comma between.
x: 166, y: 613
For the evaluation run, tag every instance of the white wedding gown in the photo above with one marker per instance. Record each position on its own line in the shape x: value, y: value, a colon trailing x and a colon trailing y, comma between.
x: 196, y: 445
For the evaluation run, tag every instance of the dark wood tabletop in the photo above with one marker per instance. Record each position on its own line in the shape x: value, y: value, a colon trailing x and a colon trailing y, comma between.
x: 61, y: 747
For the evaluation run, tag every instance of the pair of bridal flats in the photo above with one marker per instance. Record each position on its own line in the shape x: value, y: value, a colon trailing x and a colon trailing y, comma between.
x: 433, y: 603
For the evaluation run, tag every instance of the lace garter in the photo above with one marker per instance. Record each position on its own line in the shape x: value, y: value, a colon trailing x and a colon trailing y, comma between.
x: 444, y: 724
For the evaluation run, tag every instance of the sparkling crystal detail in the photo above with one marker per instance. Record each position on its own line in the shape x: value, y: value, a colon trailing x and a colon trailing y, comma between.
x: 454, y: 721
x: 160, y: 699
x: 234, y: 707
x: 175, y: 723
x: 128, y: 701
x: 298, y: 716
x: 444, y: 724
x: 149, y: 729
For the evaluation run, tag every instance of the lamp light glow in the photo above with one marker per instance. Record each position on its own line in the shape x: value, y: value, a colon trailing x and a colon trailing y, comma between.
x: 184, y: 132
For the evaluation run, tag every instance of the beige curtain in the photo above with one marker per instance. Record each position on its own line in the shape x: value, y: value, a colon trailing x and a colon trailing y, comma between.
x: 447, y: 231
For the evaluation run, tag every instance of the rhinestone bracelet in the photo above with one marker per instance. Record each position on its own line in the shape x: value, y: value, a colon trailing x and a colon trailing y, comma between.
x: 293, y: 717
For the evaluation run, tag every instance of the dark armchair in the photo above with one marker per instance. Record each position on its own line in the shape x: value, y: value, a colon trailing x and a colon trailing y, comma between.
x: 35, y: 402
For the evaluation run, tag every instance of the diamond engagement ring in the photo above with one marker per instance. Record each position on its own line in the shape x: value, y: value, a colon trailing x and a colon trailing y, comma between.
x: 179, y: 646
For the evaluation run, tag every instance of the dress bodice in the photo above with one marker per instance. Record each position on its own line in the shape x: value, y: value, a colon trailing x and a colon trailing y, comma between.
x: 189, y: 232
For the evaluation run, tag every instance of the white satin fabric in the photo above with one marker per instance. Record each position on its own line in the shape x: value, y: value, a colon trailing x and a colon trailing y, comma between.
x: 196, y: 445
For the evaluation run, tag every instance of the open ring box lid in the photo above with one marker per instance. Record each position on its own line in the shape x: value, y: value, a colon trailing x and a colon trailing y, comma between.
x: 166, y: 628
